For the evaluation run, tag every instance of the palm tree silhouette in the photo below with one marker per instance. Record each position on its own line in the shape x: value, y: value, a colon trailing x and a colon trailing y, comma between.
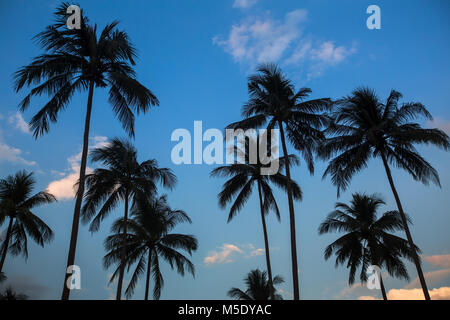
x: 258, y: 287
x: 367, y: 240
x: 16, y: 205
x: 122, y: 179
x: 10, y: 294
x: 242, y: 178
x: 273, y: 100
x: 77, y: 60
x: 365, y: 127
x: 148, y: 241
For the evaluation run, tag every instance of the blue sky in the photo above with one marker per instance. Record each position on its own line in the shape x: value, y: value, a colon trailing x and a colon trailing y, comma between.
x: 196, y: 56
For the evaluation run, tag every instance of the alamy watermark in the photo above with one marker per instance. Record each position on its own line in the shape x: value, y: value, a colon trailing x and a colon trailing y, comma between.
x: 262, y: 147
x: 74, y: 280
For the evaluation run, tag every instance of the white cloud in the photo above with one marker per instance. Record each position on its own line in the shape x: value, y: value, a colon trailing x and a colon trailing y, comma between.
x: 260, y: 40
x: 11, y: 154
x: 18, y: 121
x: 63, y: 189
x: 244, y: 4
x: 257, y: 252
x: 440, y: 123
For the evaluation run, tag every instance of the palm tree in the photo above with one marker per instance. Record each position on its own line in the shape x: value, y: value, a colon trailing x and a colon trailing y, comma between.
x: 149, y: 241
x: 274, y: 100
x: 123, y: 179
x: 365, y: 127
x: 17, y: 203
x: 79, y: 60
x: 258, y: 288
x: 10, y: 294
x: 243, y: 176
x: 367, y: 240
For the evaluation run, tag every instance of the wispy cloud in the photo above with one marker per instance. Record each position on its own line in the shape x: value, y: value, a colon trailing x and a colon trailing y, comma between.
x: 14, y: 155
x: 17, y: 121
x: 442, y: 260
x: 263, y: 39
x: 227, y: 253
x: 224, y: 255
x: 244, y: 4
x: 64, y: 188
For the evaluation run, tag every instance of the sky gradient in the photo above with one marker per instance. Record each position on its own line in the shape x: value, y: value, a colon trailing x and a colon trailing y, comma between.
x: 196, y: 57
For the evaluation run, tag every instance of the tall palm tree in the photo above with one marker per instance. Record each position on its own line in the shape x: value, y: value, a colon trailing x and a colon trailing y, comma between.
x: 122, y: 179
x: 367, y: 239
x: 275, y: 102
x: 149, y: 241
x: 17, y: 203
x: 79, y: 60
x: 365, y: 127
x: 258, y: 287
x: 243, y: 175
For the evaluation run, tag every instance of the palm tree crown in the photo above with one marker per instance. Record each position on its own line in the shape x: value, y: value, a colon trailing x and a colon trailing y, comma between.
x: 17, y: 202
x: 76, y: 59
x: 367, y: 240
x: 123, y: 178
x: 258, y: 287
x: 149, y: 240
x: 365, y: 127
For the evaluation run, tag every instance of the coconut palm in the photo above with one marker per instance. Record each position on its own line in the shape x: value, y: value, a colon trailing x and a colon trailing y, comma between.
x: 149, y: 240
x: 365, y: 127
x: 10, y: 294
x: 244, y: 175
x: 17, y: 203
x: 368, y: 239
x: 122, y: 179
x: 275, y: 102
x: 79, y: 60
x: 258, y: 287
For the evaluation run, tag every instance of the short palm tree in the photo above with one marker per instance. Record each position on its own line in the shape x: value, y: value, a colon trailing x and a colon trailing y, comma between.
x: 243, y: 176
x: 17, y: 203
x: 367, y: 239
x: 10, y: 294
x: 122, y: 179
x: 150, y: 240
x: 275, y: 102
x: 366, y: 127
x: 258, y: 287
x: 79, y: 60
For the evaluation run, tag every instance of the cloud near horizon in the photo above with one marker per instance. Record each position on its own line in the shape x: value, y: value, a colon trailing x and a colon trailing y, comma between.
x: 442, y: 260
x: 64, y: 188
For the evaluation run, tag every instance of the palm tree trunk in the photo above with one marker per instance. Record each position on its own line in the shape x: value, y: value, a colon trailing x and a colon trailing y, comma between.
x: 80, y: 193
x: 383, y: 290
x: 291, y: 217
x: 405, y: 226
x: 124, y: 249
x: 6, y: 243
x: 147, y: 281
x: 266, y: 240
